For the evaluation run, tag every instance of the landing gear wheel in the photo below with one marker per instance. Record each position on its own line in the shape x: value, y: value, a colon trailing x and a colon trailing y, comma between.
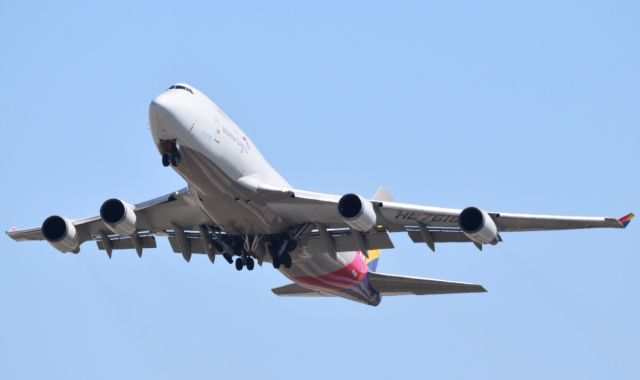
x: 176, y: 158
x: 276, y: 263
x: 239, y: 264
x: 250, y: 263
x: 286, y: 260
x: 166, y: 160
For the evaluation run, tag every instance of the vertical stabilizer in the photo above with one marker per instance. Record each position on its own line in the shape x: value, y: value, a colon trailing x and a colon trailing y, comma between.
x: 372, y: 261
x: 382, y: 195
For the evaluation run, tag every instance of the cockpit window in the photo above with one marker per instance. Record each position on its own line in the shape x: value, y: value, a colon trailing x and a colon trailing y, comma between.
x: 180, y: 87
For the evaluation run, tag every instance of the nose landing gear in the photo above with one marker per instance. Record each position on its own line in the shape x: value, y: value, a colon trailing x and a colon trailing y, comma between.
x: 171, y: 154
x: 176, y: 158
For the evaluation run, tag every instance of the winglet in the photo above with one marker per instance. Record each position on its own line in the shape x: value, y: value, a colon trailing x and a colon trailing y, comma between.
x: 625, y: 220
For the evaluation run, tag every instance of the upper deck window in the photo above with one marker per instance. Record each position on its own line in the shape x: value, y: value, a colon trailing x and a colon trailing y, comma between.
x: 180, y: 87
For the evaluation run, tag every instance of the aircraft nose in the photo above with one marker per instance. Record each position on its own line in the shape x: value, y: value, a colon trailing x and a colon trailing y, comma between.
x: 162, y: 110
x: 169, y: 113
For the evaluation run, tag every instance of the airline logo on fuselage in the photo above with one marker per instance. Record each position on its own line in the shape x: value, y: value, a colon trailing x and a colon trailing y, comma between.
x: 242, y: 142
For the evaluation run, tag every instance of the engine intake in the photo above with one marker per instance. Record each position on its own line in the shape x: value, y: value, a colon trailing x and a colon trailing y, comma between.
x: 357, y: 212
x: 61, y: 234
x: 478, y: 226
x: 119, y: 216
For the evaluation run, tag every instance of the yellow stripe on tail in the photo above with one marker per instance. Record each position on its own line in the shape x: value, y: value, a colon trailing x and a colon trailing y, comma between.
x: 372, y: 261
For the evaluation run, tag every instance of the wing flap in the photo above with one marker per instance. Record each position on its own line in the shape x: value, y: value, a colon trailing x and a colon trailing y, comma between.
x: 454, y: 236
x: 344, y: 241
x: 127, y: 243
x: 392, y: 285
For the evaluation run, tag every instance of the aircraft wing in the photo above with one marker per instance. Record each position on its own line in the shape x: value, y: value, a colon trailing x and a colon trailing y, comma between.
x: 303, y: 206
x: 154, y: 217
x: 437, y: 223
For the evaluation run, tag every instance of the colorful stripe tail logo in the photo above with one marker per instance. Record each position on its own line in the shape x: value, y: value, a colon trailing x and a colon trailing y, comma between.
x: 625, y: 220
x: 372, y: 261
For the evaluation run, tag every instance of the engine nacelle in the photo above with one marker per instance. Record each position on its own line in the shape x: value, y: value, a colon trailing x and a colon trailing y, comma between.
x: 61, y: 234
x: 357, y: 212
x: 119, y: 216
x: 478, y: 226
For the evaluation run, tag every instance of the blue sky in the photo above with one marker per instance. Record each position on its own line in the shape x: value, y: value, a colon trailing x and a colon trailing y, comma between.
x: 510, y: 106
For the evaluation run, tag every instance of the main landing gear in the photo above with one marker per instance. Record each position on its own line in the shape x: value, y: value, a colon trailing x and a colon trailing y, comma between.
x: 241, y: 249
x: 287, y: 243
x: 245, y: 262
x: 285, y: 257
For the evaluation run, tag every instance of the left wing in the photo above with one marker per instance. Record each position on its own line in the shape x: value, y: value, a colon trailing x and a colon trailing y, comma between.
x: 303, y: 206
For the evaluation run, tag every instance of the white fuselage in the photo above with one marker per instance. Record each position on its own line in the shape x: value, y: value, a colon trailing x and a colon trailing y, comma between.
x: 217, y: 154
x: 218, y: 161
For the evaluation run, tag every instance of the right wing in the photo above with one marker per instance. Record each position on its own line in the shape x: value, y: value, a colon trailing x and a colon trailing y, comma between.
x: 154, y: 217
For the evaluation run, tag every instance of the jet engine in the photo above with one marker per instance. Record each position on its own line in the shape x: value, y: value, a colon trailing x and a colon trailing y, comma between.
x: 478, y: 226
x: 357, y: 212
x: 61, y: 234
x: 119, y: 216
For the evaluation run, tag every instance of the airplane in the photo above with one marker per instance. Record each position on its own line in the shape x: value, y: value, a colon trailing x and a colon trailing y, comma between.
x: 237, y: 206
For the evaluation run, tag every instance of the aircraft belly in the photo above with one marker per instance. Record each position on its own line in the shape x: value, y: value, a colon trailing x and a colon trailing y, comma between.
x: 229, y: 205
x: 345, y: 277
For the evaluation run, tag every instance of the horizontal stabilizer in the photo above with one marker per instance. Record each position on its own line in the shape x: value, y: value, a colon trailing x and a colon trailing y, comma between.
x: 295, y: 290
x: 391, y: 285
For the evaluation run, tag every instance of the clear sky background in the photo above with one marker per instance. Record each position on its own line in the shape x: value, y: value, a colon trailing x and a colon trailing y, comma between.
x: 527, y: 107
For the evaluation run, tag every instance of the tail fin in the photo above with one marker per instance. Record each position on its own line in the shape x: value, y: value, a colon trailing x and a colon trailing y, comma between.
x: 382, y: 195
x: 625, y: 220
x: 372, y: 261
